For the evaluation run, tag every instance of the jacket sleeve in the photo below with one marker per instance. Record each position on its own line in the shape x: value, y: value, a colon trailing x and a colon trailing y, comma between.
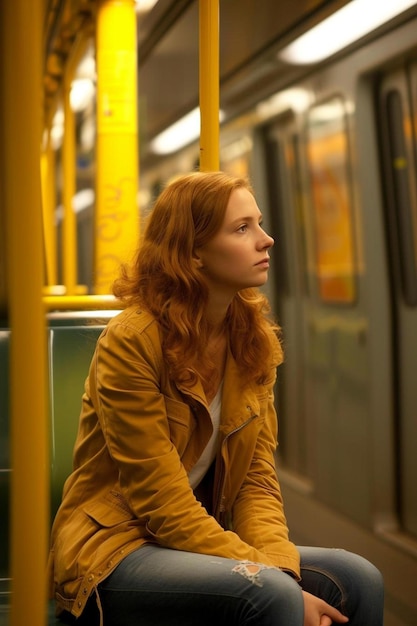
x: 125, y: 389
x: 258, y: 512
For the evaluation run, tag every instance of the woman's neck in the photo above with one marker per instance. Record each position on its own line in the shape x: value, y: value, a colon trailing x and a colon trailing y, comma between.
x: 216, y: 311
x: 210, y: 363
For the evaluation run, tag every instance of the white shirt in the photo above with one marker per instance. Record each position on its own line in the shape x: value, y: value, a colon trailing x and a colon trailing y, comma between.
x: 200, y: 468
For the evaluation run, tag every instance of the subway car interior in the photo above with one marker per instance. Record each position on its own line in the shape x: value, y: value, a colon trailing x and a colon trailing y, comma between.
x: 315, y: 101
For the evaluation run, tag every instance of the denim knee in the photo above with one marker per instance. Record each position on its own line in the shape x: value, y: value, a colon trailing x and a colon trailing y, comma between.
x: 345, y: 580
x: 271, y: 596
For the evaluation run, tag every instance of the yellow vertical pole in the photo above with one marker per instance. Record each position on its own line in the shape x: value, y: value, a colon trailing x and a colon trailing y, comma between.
x: 209, y: 85
x: 69, y: 224
x: 69, y: 240
x: 51, y: 204
x: 116, y: 217
x: 21, y: 99
x: 48, y: 209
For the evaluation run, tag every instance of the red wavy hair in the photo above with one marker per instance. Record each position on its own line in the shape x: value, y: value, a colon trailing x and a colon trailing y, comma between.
x: 164, y: 278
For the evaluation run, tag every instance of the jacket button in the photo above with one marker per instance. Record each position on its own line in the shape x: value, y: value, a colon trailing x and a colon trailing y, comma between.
x: 85, y: 591
x: 79, y: 604
x: 109, y: 564
x: 90, y: 578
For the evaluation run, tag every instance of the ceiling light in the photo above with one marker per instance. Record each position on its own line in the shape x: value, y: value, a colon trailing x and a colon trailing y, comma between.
x: 143, y: 6
x: 81, y: 94
x: 354, y: 20
x: 181, y: 133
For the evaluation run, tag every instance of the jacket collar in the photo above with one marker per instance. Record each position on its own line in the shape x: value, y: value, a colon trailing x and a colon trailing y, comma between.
x: 239, y: 401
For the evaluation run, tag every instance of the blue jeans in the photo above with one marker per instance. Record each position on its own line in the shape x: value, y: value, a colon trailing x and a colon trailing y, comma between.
x: 157, y: 586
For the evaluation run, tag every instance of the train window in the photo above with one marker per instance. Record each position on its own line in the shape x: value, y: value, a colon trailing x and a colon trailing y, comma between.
x: 400, y: 208
x: 329, y: 166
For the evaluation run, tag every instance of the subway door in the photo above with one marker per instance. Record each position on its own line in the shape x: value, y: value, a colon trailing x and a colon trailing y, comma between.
x: 335, y: 319
x: 282, y: 169
x: 398, y: 117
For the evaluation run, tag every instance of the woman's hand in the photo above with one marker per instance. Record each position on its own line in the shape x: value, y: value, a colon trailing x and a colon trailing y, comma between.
x: 318, y: 613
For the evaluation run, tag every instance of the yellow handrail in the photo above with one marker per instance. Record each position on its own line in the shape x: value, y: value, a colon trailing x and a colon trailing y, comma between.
x: 21, y: 96
x: 69, y: 230
x: 48, y: 174
x: 80, y: 303
x: 116, y: 211
x: 209, y: 84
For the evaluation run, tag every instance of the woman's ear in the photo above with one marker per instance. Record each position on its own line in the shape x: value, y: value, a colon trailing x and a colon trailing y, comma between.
x: 197, y: 260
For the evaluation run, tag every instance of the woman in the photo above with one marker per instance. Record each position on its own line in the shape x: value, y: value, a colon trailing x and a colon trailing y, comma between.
x: 173, y: 513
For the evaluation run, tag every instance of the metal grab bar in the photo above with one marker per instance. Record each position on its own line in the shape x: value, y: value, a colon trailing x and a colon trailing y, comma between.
x: 79, y: 303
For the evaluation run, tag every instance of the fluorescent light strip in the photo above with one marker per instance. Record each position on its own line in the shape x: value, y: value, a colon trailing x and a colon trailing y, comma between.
x: 181, y: 133
x: 144, y: 6
x: 354, y: 20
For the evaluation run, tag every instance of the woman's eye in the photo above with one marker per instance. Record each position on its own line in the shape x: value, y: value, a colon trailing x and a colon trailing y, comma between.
x: 242, y: 228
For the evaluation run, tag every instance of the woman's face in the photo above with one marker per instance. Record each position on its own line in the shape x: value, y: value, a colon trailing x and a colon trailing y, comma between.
x: 238, y: 255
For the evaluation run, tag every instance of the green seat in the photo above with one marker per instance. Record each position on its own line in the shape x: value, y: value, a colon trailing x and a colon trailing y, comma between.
x: 70, y: 350
x: 71, y: 342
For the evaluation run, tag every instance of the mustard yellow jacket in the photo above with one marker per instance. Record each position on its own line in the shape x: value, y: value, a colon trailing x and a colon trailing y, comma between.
x: 139, y: 435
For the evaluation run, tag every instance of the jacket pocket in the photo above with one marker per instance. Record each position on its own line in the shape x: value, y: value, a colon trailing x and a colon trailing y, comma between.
x: 181, y: 423
x: 109, y: 511
x: 91, y: 533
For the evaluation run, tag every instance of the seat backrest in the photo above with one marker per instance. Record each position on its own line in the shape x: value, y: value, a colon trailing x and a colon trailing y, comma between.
x: 71, y: 342
x: 70, y: 352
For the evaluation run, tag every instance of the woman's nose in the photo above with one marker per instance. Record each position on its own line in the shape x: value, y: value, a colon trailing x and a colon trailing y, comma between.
x: 267, y: 241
